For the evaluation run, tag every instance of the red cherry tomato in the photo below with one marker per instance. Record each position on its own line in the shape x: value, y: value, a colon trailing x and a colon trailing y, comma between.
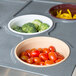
x: 45, y: 50
x: 35, y: 53
x: 23, y: 53
x: 59, y: 56
x: 52, y: 56
x: 40, y: 49
x: 24, y: 58
x: 58, y: 60
x: 52, y: 48
x: 35, y: 63
x: 37, y: 60
x: 42, y: 63
x: 30, y: 60
x: 47, y: 62
x: 43, y: 56
x: 28, y: 52
x: 33, y: 49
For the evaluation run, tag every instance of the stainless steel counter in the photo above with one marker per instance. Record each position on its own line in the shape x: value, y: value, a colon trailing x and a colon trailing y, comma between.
x: 11, y: 72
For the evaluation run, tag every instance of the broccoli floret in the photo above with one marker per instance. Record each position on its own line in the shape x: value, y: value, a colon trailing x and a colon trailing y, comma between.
x: 43, y: 27
x: 17, y: 28
x: 29, y: 28
x: 37, y: 23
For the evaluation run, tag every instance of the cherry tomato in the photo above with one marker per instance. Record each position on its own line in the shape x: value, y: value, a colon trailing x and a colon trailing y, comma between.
x: 35, y: 53
x: 24, y: 58
x: 52, y: 48
x: 23, y: 53
x: 43, y: 56
x: 35, y: 63
x: 40, y: 49
x: 45, y: 50
x: 30, y: 60
x: 42, y: 63
x: 59, y: 56
x: 47, y: 62
x: 58, y: 60
x: 28, y: 52
x: 33, y: 49
x: 52, y: 56
x: 37, y: 60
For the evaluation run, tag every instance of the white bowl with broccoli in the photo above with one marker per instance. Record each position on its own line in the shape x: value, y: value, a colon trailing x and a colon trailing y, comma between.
x: 31, y: 24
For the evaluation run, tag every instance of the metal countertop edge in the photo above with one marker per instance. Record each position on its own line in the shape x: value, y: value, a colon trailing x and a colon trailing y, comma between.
x: 57, y: 2
x: 43, y: 1
x: 22, y: 70
x: 27, y: 2
x: 73, y: 70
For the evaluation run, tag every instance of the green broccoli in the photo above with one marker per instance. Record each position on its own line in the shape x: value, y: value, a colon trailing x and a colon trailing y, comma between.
x: 17, y: 28
x: 29, y: 28
x: 37, y: 23
x: 43, y: 27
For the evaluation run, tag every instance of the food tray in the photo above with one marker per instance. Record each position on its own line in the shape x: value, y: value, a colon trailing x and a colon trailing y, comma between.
x: 62, y: 30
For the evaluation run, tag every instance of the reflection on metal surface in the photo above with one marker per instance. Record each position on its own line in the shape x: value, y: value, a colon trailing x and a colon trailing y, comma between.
x: 74, y: 72
x: 11, y: 55
x: 10, y: 72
